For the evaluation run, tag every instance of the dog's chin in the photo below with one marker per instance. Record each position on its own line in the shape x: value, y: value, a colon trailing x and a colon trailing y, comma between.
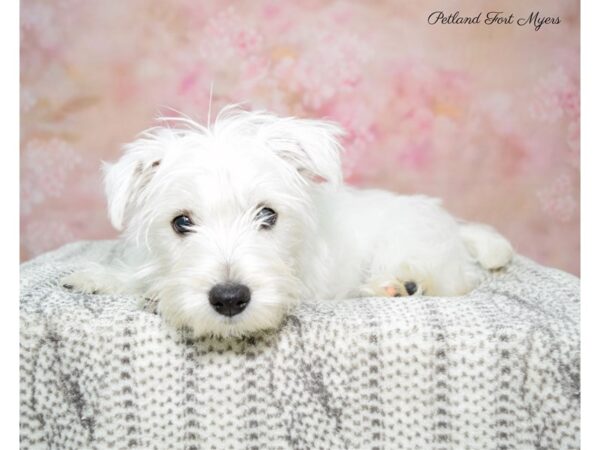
x: 203, y: 320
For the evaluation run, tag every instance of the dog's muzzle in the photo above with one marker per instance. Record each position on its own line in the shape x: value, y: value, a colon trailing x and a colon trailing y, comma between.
x: 229, y: 299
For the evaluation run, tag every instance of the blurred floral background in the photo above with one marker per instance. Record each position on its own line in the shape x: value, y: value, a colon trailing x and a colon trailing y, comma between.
x: 485, y: 117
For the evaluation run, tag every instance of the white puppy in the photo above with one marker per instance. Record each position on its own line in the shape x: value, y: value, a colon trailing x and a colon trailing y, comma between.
x: 228, y: 226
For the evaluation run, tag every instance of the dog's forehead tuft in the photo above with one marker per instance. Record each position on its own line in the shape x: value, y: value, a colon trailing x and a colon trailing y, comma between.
x: 210, y: 178
x: 235, y: 161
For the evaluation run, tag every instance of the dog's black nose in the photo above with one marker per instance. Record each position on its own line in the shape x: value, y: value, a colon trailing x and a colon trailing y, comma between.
x: 229, y: 299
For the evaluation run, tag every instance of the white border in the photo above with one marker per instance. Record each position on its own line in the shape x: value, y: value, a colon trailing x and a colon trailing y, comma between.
x: 590, y: 224
x: 9, y: 225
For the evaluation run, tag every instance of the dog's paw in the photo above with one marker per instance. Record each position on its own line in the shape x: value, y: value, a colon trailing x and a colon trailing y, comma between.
x: 84, y: 281
x: 402, y: 289
x: 393, y: 288
x: 148, y: 304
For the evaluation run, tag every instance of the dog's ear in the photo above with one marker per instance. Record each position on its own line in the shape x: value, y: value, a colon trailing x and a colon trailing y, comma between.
x: 311, y: 146
x: 125, y: 180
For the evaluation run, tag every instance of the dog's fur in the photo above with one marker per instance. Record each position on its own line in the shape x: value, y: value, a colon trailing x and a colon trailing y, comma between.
x: 329, y: 241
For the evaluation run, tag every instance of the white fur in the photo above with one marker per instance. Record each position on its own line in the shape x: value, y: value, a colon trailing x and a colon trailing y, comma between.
x: 330, y: 240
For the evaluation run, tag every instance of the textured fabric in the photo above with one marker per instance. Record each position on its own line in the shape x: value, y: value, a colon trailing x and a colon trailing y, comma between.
x: 498, y: 368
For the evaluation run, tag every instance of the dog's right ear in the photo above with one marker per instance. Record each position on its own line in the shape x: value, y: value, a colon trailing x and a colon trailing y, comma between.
x: 125, y: 180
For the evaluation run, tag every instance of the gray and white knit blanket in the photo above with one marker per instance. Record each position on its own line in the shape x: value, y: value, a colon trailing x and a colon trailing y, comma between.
x: 498, y: 369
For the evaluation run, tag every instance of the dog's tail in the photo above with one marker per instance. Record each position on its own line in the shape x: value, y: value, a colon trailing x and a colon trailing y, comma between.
x: 486, y: 245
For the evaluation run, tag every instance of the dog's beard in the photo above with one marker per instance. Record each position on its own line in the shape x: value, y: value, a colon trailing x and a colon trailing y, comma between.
x: 182, y: 291
x: 185, y: 305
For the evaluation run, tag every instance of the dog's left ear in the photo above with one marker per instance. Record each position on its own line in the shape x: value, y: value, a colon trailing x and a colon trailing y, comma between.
x: 311, y: 146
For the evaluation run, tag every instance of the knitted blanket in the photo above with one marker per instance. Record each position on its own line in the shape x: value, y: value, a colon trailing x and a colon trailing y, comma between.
x: 498, y: 368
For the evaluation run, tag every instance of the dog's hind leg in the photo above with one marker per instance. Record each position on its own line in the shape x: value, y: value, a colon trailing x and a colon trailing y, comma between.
x: 490, y: 249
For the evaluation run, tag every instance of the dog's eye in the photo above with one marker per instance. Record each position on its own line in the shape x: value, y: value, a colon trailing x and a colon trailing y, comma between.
x: 267, y: 218
x: 182, y: 224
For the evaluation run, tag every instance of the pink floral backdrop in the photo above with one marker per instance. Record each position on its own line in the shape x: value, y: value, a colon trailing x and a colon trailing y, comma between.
x: 485, y: 117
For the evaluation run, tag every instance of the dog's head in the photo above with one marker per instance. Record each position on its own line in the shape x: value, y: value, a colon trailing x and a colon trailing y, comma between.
x: 220, y: 215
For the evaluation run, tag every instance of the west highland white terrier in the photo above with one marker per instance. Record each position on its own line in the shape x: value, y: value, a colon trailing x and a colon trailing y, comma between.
x: 227, y: 226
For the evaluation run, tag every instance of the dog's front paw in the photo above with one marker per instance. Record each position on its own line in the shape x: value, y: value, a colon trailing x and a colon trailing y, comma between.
x: 84, y: 281
x: 148, y: 304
